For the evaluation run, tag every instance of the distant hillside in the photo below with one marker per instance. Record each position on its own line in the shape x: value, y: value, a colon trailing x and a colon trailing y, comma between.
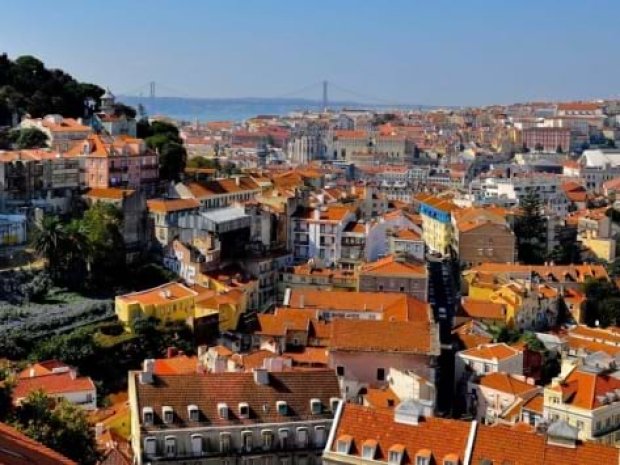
x: 27, y: 86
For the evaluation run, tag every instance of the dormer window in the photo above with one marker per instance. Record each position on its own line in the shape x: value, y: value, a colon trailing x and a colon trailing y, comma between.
x: 451, y: 459
x: 369, y: 449
x: 334, y: 402
x: 395, y: 455
x: 147, y: 416
x: 282, y: 407
x: 167, y: 414
x: 244, y: 410
x: 193, y: 413
x: 343, y: 445
x: 315, y: 406
x: 222, y: 410
x: 423, y: 457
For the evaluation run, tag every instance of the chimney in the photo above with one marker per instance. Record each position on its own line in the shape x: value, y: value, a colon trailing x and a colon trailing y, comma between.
x: 99, y: 428
x: 238, y: 180
x: 316, y: 214
x: 171, y: 352
x: 301, y: 301
x: 146, y: 375
x: 32, y: 372
x: 261, y: 376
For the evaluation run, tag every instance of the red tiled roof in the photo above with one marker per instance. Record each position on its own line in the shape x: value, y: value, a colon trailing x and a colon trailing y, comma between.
x: 52, y: 384
x: 391, y: 266
x: 441, y: 436
x: 18, y: 449
x: 296, y: 388
x: 383, y: 336
x: 171, y: 205
x: 499, y: 351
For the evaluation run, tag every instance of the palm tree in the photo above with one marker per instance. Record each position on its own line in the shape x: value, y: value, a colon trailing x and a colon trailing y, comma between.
x: 50, y: 242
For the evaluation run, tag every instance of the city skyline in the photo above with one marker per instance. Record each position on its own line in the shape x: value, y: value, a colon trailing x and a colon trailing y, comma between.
x: 419, y: 54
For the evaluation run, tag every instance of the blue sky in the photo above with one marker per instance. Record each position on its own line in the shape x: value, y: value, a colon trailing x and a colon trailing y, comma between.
x: 460, y: 52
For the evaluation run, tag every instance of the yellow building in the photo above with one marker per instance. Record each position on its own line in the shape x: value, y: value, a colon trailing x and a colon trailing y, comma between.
x: 177, y: 302
x: 168, y: 302
x: 437, y: 228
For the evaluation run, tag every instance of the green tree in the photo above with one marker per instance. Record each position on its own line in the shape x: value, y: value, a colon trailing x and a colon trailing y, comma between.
x: 59, y: 425
x: 172, y: 159
x: 50, y: 243
x: 530, y: 230
x: 602, y: 302
x: 30, y: 138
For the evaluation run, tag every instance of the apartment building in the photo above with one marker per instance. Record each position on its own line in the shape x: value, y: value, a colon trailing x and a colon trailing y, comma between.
x: 41, y: 178
x: 61, y: 132
x: 219, y: 193
x: 165, y: 215
x: 548, y: 139
x: 437, y: 229
x: 258, y: 417
x: 587, y: 399
x: 117, y: 161
x: 394, y: 274
x: 318, y: 232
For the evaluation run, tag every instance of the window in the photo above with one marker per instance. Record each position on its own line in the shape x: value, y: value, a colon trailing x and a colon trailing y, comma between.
x: 283, y: 437
x: 380, y: 374
x: 150, y: 446
x: 193, y: 413
x: 395, y: 456
x: 302, y: 437
x: 244, y: 410
x: 281, y: 407
x: 222, y: 410
x: 319, y: 436
x: 170, y: 446
x: 246, y: 439
x: 147, y: 415
x: 334, y: 402
x: 315, y: 406
x: 487, y: 367
x: 196, y: 440
x: 340, y: 370
x: 368, y: 451
x: 224, y: 442
x: 167, y: 414
x: 267, y: 439
x: 343, y: 446
x: 422, y: 460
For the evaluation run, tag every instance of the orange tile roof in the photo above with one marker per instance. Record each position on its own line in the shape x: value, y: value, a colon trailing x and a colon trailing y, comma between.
x: 383, y: 336
x: 18, y: 449
x: 560, y: 273
x: 381, y: 398
x: 476, y: 308
x: 407, y: 234
x: 165, y: 293
x: 499, y: 351
x: 506, y: 383
x: 282, y: 321
x: 393, y: 305
x: 329, y: 213
x: 443, y: 437
x: 582, y: 389
x: 52, y: 384
x: 171, y: 205
x: 310, y: 355
x: 438, y: 203
x: 110, y: 193
x: 505, y: 445
x: 535, y: 404
x: 203, y: 190
x: 392, y: 266
x: 175, y: 365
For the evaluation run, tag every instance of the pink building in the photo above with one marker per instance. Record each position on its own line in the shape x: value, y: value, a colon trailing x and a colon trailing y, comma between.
x: 120, y: 161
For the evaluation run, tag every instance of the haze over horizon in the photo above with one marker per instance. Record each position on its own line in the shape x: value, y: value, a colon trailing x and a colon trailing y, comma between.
x: 447, y: 53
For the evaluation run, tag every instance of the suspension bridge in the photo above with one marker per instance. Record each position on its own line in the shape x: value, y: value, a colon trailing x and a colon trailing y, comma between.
x: 325, y: 92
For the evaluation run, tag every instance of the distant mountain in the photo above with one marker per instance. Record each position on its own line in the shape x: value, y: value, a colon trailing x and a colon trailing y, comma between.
x: 237, y: 109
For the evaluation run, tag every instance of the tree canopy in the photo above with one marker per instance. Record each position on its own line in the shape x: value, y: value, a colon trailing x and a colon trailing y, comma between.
x: 603, y: 302
x: 27, y: 86
x: 530, y: 230
x: 164, y: 138
x: 29, y: 138
x: 59, y: 425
